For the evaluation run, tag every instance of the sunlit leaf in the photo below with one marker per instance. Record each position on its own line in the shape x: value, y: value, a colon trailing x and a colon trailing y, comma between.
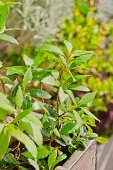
x: 28, y: 61
x: 22, y: 137
x: 8, y: 38
x: 19, y: 97
x: 68, y: 45
x: 27, y: 78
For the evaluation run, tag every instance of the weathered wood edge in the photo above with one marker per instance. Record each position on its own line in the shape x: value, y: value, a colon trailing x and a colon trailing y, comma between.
x: 76, y: 156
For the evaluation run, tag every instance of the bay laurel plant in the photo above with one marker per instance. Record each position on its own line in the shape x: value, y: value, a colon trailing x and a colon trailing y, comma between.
x: 41, y: 122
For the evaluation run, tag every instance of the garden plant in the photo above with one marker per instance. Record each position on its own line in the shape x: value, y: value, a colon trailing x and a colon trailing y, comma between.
x: 88, y: 33
x: 41, y: 121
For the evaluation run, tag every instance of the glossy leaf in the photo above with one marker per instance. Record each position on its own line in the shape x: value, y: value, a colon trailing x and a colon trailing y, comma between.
x: 67, y: 128
x: 27, y: 78
x: 68, y: 45
x: 50, y: 48
x: 81, y: 53
x: 90, y: 114
x: 22, y: 137
x: 62, y: 96
x: 40, y: 93
x: 19, y: 97
x: 21, y: 115
x: 102, y: 140
x: 60, y: 159
x: 5, y: 104
x: 8, y: 38
x: 50, y: 81
x: 4, y: 142
x: 28, y: 61
x: 1, y: 127
x: 3, y: 115
x: 78, y: 88
x: 4, y: 11
x: 87, y: 99
x: 43, y: 152
x: 78, y: 118
x: 33, y: 130
x: 16, y: 70
x: 52, y: 158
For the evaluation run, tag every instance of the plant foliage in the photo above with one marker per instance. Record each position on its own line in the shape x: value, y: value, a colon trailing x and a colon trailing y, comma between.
x: 41, y: 121
x: 88, y: 33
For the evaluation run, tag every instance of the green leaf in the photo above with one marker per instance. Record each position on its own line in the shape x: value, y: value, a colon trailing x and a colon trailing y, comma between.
x: 90, y: 114
x: 78, y: 88
x: 69, y: 46
x: 22, y: 115
x: 51, y: 81
x: 4, y: 11
x: 7, y: 107
x: 80, y: 60
x: 28, y: 61
x: 38, y: 59
x: 6, y: 80
x: 34, y: 119
x: 27, y: 154
x: 67, y: 139
x: 67, y: 128
x: 63, y: 59
x: 19, y: 98
x: 60, y: 158
x: 43, y: 152
x: 50, y: 48
x: 81, y: 52
x: 40, y: 93
x: 1, y: 127
x: 52, y: 158
x: 79, y: 77
x: 78, y: 119
x: 27, y: 78
x: 87, y: 99
x: 22, y: 137
x: 4, y: 99
x: 16, y: 70
x: 70, y: 93
x: 62, y: 95
x: 33, y: 130
x: 102, y: 140
x: 91, y: 136
x: 54, y: 58
x: 56, y: 132
x: 55, y: 74
x: 8, y: 38
x: 40, y: 74
x: 5, y: 104
x: 4, y: 142
x: 34, y: 164
x: 3, y: 114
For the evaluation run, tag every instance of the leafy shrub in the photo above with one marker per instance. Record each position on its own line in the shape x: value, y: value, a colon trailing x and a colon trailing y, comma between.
x: 64, y: 121
x: 41, y: 122
x: 87, y: 33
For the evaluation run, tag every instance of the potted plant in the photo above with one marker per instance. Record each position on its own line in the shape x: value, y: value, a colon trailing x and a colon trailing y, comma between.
x: 42, y: 123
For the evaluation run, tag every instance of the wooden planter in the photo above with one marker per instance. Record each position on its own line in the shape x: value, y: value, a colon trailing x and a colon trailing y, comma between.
x: 81, y: 160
